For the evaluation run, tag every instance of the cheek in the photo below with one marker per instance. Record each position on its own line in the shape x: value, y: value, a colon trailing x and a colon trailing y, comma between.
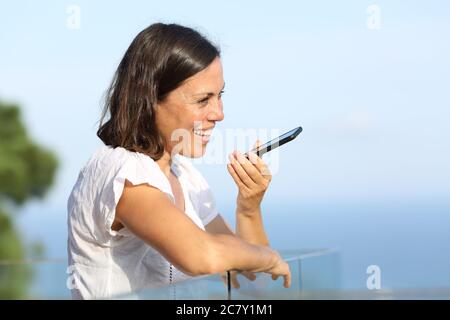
x: 185, y: 116
x: 191, y: 117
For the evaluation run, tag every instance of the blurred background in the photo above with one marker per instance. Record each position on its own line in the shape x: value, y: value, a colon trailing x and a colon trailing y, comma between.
x: 367, y: 80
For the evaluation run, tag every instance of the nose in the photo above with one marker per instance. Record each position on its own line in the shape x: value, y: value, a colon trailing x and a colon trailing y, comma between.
x: 216, y: 112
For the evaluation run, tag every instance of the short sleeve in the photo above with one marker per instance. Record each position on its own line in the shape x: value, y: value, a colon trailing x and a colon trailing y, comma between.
x: 137, y: 169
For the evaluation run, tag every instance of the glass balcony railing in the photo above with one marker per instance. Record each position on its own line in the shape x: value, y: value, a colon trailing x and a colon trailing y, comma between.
x: 316, y: 274
x: 35, y: 279
x: 311, y: 270
x: 49, y: 279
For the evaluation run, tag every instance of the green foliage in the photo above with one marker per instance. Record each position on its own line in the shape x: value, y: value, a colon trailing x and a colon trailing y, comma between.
x: 14, y: 278
x: 10, y: 244
x: 26, y: 169
x: 36, y: 250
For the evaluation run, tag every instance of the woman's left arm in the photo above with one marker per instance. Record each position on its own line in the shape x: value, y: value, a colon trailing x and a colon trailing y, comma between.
x: 252, y: 177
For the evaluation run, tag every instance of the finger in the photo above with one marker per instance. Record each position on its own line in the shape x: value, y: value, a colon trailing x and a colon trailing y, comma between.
x: 234, y: 281
x: 249, y: 275
x: 224, y: 280
x: 260, y: 165
x: 257, y: 144
x: 250, y: 169
x: 235, y: 177
x: 257, y: 160
x: 242, y: 173
x: 274, y: 277
x: 287, y: 280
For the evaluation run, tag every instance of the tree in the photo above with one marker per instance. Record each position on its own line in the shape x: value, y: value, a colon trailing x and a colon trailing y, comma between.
x: 27, y: 170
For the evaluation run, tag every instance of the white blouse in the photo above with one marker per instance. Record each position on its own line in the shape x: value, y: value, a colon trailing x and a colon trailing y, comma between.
x: 105, y: 263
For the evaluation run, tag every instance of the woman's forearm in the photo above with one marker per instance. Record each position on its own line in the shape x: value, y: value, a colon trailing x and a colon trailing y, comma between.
x: 228, y: 252
x: 251, y: 227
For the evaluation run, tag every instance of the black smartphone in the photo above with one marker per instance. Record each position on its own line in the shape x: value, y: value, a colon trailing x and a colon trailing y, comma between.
x: 272, y: 144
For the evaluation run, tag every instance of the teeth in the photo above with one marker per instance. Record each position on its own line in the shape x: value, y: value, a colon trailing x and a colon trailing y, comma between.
x: 202, y: 133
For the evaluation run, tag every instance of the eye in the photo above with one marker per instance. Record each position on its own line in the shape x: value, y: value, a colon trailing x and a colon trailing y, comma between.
x: 203, y: 102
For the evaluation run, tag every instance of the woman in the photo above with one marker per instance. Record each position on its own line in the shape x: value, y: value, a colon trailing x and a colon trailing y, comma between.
x: 140, y: 215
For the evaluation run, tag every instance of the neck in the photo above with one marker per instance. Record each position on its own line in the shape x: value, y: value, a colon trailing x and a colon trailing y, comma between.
x: 165, y: 162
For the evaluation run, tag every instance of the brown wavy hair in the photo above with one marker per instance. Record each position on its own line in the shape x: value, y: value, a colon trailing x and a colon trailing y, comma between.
x: 158, y: 60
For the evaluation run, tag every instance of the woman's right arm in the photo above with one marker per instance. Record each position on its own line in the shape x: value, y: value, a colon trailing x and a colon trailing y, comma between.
x: 150, y: 215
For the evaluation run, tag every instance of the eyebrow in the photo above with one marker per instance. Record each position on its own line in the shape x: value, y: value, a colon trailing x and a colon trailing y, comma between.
x: 209, y: 94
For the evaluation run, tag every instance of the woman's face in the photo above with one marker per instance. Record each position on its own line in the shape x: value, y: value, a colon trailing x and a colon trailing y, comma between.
x: 189, y: 113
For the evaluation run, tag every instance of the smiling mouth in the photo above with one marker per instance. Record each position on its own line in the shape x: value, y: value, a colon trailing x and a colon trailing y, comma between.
x: 203, y: 133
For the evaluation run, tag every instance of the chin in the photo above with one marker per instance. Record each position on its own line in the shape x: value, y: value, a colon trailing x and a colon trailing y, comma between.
x: 194, y: 152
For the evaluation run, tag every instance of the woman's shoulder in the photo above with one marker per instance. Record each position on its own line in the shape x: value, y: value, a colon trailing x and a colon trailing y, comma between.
x: 103, y: 177
x: 110, y: 160
x: 106, y: 157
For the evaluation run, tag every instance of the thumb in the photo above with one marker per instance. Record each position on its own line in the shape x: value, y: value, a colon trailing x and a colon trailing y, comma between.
x: 257, y: 144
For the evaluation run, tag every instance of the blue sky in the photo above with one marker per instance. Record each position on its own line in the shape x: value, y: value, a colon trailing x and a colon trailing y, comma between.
x: 374, y: 104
